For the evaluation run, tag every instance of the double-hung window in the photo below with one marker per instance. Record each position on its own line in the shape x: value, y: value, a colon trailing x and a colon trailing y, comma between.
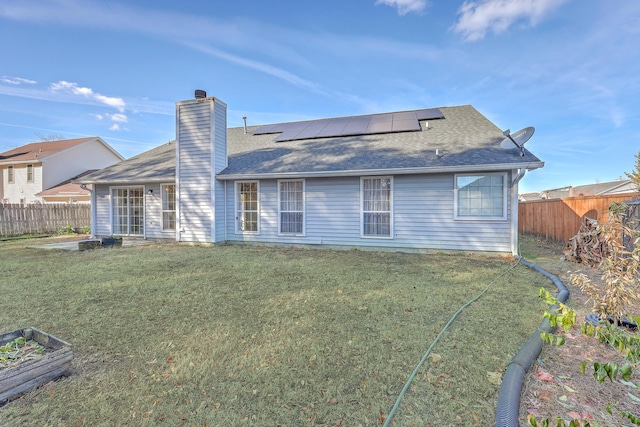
x: 168, y: 207
x: 11, y: 177
x: 481, y: 196
x: 247, y: 207
x: 376, y: 207
x: 29, y: 173
x: 291, y: 207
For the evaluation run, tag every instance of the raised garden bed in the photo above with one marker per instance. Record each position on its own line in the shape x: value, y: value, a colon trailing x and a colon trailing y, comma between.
x: 47, y: 358
x: 105, y: 242
x: 85, y: 245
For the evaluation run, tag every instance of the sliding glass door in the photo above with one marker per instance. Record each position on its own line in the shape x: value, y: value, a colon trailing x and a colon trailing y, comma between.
x: 127, y: 211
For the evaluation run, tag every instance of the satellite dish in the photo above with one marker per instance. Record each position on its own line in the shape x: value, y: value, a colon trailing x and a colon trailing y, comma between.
x: 518, y: 139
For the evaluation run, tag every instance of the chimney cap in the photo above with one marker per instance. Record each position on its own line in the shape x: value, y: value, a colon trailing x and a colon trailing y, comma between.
x: 199, y: 94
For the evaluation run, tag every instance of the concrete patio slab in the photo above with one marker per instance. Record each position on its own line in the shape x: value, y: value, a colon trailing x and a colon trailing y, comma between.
x: 73, y: 246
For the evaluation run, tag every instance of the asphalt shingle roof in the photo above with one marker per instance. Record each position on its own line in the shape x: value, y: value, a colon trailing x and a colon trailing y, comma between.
x: 155, y: 165
x: 39, y: 150
x: 464, y: 139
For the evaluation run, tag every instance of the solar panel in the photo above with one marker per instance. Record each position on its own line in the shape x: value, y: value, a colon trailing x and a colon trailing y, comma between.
x: 405, y: 115
x: 334, y: 127
x: 356, y: 127
x: 404, y: 121
x: 270, y: 129
x: 381, y: 118
x: 313, y: 129
x: 379, y: 127
x: 405, y: 125
x: 429, y: 114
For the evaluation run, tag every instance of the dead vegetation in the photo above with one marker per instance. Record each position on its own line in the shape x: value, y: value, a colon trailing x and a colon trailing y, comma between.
x: 589, y: 246
x: 556, y: 387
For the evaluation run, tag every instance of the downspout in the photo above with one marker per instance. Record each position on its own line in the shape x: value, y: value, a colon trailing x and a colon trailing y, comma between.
x: 514, y: 209
x: 225, y: 211
x: 92, y: 195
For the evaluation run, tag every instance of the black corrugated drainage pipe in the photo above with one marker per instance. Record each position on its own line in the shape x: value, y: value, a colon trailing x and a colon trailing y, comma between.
x: 509, y: 397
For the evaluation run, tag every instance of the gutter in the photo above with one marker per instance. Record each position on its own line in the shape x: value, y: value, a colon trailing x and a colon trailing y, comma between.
x: 514, y: 210
x: 136, y: 181
x: 397, y: 171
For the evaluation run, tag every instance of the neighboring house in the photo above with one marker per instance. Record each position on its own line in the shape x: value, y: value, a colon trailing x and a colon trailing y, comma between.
x: 68, y: 191
x: 621, y: 186
x: 31, y: 171
x: 527, y: 197
x: 425, y: 179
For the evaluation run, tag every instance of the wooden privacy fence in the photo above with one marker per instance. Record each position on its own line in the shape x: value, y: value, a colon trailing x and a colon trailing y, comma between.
x: 560, y: 219
x: 17, y: 219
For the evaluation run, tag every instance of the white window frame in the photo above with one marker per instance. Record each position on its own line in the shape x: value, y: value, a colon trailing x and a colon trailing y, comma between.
x: 163, y: 194
x: 11, y: 174
x: 390, y: 211
x: 303, y: 232
x: 505, y: 189
x: 30, y: 171
x: 238, y: 211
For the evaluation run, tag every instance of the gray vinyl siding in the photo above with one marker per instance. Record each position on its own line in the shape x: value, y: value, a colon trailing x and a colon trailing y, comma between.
x: 103, y: 212
x: 220, y: 162
x: 194, y: 170
x: 423, y: 216
x: 153, y: 213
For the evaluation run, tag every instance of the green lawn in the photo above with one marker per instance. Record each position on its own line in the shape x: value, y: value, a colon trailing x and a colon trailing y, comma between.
x: 232, y: 335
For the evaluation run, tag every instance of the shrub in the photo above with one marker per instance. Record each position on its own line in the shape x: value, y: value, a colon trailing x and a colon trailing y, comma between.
x: 620, y: 269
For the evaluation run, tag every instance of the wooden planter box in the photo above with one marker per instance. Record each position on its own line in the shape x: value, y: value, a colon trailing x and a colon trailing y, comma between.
x: 55, y: 362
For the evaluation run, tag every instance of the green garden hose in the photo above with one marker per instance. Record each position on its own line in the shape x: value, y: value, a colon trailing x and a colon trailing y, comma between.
x: 435, y: 341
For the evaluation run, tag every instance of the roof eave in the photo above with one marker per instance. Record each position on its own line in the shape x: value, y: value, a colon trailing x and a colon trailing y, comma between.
x: 136, y: 181
x: 397, y: 171
x: 21, y: 162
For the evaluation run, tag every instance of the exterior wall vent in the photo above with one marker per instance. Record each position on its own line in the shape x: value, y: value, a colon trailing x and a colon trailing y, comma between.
x: 200, y: 94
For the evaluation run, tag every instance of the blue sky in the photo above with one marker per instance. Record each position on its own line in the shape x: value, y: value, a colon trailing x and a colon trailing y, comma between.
x: 570, y: 68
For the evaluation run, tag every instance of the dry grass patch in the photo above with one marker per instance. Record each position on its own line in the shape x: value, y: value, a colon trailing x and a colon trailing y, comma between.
x: 232, y: 335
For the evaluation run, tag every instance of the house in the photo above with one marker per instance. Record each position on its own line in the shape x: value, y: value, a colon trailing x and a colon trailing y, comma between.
x: 31, y: 173
x: 425, y: 179
x: 68, y: 191
x: 620, y: 186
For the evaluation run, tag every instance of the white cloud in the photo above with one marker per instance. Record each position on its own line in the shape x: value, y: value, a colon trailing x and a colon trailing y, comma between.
x: 232, y: 40
x: 405, y: 6
x: 479, y: 17
x: 17, y: 80
x: 98, y: 116
x: 120, y: 118
x: 73, y: 88
x: 115, y: 127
